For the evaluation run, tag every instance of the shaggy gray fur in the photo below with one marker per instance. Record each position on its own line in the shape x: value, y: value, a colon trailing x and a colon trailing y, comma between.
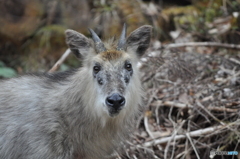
x: 63, y: 115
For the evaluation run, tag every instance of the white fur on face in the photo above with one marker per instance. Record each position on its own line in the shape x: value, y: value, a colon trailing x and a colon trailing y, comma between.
x: 131, y: 92
x: 101, y: 107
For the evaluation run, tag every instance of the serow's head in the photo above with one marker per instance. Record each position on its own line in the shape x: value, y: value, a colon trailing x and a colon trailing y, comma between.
x: 112, y: 67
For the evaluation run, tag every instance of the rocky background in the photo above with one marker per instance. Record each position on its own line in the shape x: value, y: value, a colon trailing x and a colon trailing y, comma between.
x: 191, y: 72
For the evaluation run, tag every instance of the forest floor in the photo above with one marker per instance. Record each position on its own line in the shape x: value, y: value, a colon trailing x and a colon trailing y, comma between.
x: 192, y: 103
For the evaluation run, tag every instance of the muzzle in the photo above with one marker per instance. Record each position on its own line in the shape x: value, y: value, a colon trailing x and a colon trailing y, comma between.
x: 115, y: 103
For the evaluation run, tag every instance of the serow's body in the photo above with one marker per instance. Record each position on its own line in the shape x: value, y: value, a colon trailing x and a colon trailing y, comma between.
x: 86, y: 113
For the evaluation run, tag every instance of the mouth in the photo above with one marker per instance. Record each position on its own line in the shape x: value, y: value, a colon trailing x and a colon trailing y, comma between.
x: 114, y: 112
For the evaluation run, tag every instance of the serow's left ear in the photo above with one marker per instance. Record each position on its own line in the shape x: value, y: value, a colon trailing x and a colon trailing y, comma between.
x: 139, y: 40
x: 78, y: 43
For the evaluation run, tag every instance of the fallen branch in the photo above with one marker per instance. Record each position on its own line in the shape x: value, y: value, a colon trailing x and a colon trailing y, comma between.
x: 193, y: 146
x: 170, y: 103
x: 223, y: 109
x: 60, y: 61
x: 183, y: 106
x: 209, y: 44
x: 147, y: 127
x: 195, y: 133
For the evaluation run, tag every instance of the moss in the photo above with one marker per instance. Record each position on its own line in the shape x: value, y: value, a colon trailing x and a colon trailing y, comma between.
x: 50, y: 34
x: 47, y: 44
x: 181, y: 10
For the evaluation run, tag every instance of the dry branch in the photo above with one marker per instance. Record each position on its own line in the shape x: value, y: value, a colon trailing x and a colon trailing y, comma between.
x: 147, y: 127
x: 195, y: 133
x: 194, y: 148
x: 60, y: 61
x: 223, y: 109
x: 209, y: 44
x: 183, y: 106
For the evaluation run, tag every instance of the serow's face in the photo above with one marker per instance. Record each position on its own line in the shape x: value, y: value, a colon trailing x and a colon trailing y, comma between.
x: 113, y: 78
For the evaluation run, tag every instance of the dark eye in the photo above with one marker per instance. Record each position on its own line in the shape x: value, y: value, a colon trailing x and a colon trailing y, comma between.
x: 128, y: 67
x: 96, y: 69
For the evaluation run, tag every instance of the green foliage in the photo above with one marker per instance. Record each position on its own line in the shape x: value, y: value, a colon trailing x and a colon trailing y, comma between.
x: 6, y: 72
x: 64, y: 67
x: 212, y: 11
x: 201, y: 19
x: 106, y: 6
x: 47, y: 32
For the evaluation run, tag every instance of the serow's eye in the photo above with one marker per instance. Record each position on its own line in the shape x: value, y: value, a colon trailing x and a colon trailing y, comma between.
x: 96, y: 69
x: 128, y: 67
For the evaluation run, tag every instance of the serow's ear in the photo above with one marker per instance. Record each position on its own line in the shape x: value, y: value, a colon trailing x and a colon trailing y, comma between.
x: 78, y: 43
x: 139, y: 40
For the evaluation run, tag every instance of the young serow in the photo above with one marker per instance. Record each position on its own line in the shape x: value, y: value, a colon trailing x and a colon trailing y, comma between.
x: 85, y: 113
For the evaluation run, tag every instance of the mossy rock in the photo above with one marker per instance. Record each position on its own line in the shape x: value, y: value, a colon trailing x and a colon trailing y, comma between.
x: 20, y: 19
x: 182, y: 16
x: 44, y: 48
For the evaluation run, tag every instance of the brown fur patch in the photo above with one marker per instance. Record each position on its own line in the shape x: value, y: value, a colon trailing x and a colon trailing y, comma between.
x: 111, y: 55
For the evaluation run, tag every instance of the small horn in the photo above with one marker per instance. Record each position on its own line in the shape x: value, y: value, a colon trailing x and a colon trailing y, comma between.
x: 122, y: 40
x: 98, y: 42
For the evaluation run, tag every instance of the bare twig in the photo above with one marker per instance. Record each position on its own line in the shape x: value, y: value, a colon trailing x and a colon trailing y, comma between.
x: 209, y: 44
x: 209, y: 113
x: 176, y: 130
x: 60, y: 61
x: 223, y: 109
x: 235, y: 60
x: 195, y: 133
x: 194, y: 148
x: 183, y: 106
x: 147, y: 127
x: 157, y: 114
x: 170, y: 103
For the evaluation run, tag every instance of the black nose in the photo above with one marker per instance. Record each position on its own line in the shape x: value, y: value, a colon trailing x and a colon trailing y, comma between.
x: 115, y: 101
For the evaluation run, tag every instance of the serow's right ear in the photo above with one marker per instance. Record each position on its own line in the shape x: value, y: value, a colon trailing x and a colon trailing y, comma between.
x: 78, y: 43
x: 139, y: 40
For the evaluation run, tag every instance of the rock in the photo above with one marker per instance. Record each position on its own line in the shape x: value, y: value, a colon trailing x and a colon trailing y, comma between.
x: 20, y: 19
